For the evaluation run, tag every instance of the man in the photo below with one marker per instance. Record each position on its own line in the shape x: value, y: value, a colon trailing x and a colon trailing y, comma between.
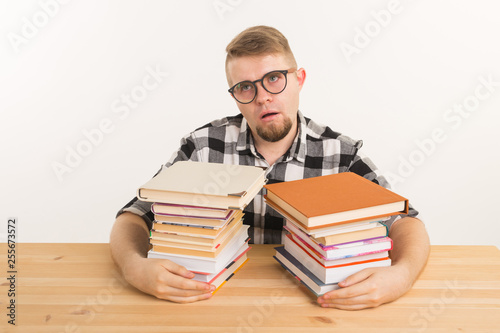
x: 271, y: 132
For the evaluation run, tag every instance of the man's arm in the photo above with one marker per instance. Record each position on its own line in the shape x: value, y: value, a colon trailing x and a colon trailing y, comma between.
x: 372, y: 287
x: 162, y: 278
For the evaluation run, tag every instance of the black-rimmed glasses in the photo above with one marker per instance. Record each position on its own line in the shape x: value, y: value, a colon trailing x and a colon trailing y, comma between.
x: 273, y: 82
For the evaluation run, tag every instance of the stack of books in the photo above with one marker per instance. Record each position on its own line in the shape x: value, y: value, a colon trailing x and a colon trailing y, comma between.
x: 198, y: 211
x: 335, y: 227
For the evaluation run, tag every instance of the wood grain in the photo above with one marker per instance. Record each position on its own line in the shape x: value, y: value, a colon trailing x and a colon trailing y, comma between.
x: 77, y: 288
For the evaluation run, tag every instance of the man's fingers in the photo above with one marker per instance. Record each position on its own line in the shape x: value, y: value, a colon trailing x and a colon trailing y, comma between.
x: 178, y: 276
x: 177, y: 269
x: 179, y: 282
x: 351, y: 292
x: 354, y: 306
x: 189, y: 299
x: 357, y: 296
x: 166, y: 291
x: 356, y: 278
x: 352, y: 303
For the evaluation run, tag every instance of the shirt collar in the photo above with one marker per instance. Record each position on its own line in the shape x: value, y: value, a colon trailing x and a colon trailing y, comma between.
x: 298, y: 149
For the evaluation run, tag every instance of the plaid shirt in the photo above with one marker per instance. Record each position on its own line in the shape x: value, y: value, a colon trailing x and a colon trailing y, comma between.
x: 316, y: 151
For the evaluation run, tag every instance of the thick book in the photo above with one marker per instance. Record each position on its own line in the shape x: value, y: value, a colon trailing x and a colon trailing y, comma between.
x: 334, y: 199
x: 203, y: 184
x: 204, y: 264
x: 297, y: 269
x: 335, y: 272
x: 190, y: 211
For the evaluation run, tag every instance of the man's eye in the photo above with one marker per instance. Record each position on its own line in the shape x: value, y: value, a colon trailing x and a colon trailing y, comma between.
x: 273, y: 78
x: 245, y: 87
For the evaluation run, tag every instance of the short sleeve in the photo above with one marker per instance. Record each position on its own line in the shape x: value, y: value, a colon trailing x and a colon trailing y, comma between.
x: 187, y: 151
x: 364, y: 167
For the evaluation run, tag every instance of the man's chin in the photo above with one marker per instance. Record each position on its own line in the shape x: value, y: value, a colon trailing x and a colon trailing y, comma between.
x: 274, y: 133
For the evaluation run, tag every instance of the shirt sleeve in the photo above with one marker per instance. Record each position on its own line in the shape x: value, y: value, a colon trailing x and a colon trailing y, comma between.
x: 186, y: 152
x: 363, y: 166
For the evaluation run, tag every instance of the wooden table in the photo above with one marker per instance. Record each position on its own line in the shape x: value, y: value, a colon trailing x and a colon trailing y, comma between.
x: 76, y: 288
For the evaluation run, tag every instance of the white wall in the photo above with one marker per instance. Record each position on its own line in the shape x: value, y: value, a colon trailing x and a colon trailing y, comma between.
x: 64, y: 73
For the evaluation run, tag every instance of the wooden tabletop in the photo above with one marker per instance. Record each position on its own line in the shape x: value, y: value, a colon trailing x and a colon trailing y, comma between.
x: 77, y: 288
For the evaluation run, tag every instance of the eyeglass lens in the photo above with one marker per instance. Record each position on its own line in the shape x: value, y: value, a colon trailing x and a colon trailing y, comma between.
x: 273, y: 82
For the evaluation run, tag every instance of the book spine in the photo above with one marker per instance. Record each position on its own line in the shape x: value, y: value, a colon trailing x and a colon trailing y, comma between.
x: 353, y: 243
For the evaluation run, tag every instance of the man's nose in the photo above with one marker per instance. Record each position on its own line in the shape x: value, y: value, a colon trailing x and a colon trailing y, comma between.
x: 263, y: 95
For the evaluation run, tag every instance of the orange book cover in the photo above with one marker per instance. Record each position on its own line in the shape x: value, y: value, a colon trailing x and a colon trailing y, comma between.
x: 338, y: 198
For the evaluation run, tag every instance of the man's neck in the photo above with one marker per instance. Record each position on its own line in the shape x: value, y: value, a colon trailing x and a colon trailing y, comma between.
x: 272, y: 151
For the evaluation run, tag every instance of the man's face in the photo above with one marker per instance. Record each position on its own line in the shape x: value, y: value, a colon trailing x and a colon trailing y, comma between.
x: 271, y: 116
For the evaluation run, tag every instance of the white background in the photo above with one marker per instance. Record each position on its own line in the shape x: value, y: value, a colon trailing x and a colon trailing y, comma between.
x: 65, y: 68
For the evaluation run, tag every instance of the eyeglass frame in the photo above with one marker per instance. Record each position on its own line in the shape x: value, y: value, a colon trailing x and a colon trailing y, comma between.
x: 284, y: 72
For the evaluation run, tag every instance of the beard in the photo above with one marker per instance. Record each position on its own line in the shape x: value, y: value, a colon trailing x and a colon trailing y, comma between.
x: 275, y: 132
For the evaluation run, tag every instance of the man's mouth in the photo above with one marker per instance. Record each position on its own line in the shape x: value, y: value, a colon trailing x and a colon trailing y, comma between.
x: 268, y: 115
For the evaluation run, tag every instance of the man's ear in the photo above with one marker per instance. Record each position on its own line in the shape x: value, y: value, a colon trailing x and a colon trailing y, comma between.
x: 301, y: 77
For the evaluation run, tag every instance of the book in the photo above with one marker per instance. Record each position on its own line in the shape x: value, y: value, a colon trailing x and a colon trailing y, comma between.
x: 238, y: 235
x: 377, y: 229
x: 302, y: 274
x: 203, y: 184
x: 195, y: 221
x: 330, y: 229
x: 336, y: 228
x: 334, y: 199
x: 194, y: 242
x: 205, y: 264
x: 193, y: 229
x: 298, y: 249
x: 188, y: 239
x: 336, y: 271
x: 358, y: 248
x: 210, y: 277
x: 190, y: 211
x: 346, y: 236
x: 228, y: 273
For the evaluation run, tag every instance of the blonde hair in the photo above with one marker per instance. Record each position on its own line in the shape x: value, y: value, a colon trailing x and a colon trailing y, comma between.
x: 259, y: 40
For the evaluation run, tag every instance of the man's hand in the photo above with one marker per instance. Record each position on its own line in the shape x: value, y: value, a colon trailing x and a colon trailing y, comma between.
x: 166, y: 280
x: 368, y: 288
x: 372, y: 287
x: 129, y: 243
